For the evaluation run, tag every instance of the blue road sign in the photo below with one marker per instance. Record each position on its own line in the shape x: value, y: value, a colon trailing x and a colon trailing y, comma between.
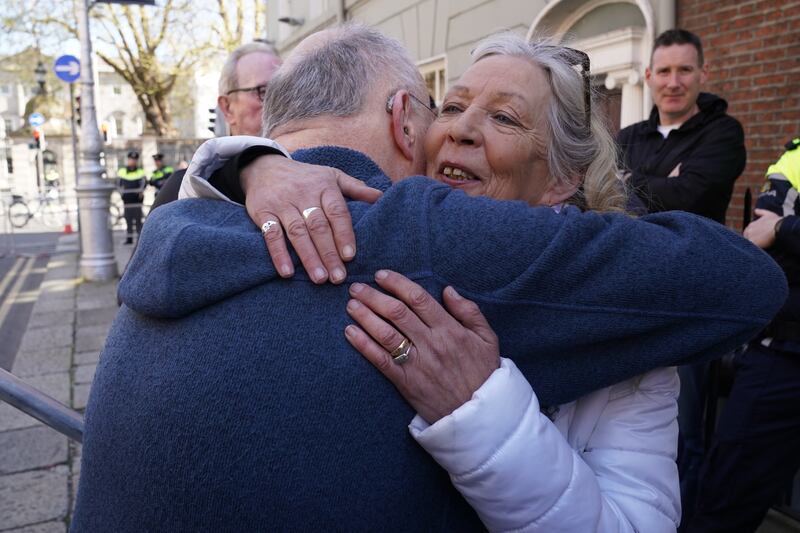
x: 36, y: 119
x: 68, y: 68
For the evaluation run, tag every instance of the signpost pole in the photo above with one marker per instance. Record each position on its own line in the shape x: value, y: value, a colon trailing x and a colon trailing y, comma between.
x: 97, y: 261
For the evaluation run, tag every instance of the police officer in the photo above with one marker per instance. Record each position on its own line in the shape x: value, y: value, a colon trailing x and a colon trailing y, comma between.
x: 756, y: 451
x: 162, y: 172
x: 131, y: 183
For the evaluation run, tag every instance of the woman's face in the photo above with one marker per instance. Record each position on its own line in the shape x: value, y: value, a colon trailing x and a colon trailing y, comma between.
x: 490, y: 136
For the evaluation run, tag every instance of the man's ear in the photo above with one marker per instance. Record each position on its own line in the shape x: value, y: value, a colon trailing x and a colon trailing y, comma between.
x: 404, y: 132
x: 224, y: 105
x: 704, y: 74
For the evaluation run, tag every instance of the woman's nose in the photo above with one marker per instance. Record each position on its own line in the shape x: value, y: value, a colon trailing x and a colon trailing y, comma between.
x: 464, y: 129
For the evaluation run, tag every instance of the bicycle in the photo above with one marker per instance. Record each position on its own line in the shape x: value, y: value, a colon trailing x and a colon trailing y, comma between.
x: 46, y: 205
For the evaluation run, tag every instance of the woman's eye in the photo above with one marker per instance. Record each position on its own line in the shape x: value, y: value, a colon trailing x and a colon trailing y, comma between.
x: 505, y: 119
x: 449, y: 109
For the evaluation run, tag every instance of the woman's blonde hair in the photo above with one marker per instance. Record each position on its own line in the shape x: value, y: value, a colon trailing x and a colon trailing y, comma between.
x: 579, y: 152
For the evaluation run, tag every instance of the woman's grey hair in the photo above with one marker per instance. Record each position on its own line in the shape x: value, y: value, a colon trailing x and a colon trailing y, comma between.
x: 335, y: 78
x: 577, y: 152
x: 227, y: 78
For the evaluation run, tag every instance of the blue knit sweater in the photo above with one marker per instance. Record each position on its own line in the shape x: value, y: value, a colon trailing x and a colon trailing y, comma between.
x: 227, y: 398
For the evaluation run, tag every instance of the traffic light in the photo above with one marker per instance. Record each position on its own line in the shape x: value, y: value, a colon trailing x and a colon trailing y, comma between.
x: 104, y: 131
x: 212, y: 120
x: 37, y: 138
x: 78, y: 109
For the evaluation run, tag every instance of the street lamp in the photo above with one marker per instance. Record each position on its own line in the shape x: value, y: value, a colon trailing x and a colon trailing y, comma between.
x: 41, y: 74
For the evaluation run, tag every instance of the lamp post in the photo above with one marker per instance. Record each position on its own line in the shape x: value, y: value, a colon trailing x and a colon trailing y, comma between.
x: 97, y: 247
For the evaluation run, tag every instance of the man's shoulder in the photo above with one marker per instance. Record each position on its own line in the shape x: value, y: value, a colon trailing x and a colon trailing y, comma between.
x: 634, y: 130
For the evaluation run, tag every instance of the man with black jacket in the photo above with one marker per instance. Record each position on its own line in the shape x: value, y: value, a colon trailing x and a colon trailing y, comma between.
x: 688, y: 154
x: 686, y: 157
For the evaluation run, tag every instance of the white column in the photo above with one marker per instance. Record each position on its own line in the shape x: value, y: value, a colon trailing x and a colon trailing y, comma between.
x: 632, y: 100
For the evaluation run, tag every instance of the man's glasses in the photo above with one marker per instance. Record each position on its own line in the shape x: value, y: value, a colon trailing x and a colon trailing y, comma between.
x: 431, y: 107
x: 260, y: 90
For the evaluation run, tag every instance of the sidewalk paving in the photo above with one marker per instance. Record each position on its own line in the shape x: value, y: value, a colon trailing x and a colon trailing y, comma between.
x: 58, y: 354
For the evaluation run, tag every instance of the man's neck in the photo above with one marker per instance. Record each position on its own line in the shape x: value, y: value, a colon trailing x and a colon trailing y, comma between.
x: 667, y: 119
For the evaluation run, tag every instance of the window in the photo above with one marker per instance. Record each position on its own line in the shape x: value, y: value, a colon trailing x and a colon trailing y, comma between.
x: 118, y: 126
x: 117, y: 89
x: 5, y: 89
x: 434, y: 73
x: 8, y: 125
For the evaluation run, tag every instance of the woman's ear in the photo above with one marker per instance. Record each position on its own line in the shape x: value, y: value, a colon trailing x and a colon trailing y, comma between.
x: 558, y: 193
x: 403, y: 130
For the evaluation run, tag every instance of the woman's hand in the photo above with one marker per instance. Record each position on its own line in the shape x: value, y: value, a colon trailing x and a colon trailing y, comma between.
x: 283, y: 191
x: 452, y: 355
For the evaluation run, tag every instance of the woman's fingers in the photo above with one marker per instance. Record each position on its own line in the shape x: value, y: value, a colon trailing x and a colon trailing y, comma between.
x: 415, y: 297
x: 276, y: 244
x: 356, y: 189
x: 372, y: 309
x: 384, y: 335
x: 338, y: 216
x: 373, y: 352
x: 323, y: 245
x: 469, y: 314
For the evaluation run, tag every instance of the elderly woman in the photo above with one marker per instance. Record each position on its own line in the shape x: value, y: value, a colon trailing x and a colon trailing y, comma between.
x: 513, y: 127
x: 517, y: 125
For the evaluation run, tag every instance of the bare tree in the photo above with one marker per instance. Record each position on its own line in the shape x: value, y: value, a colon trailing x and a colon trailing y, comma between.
x: 234, y: 30
x: 151, y: 48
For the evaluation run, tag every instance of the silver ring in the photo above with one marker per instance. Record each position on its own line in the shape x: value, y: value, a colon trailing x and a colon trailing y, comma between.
x: 400, y: 354
x: 266, y: 226
x: 307, y: 212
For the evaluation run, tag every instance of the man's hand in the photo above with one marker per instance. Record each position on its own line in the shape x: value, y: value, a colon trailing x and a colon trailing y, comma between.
x: 451, y: 355
x: 761, y: 231
x: 284, y: 191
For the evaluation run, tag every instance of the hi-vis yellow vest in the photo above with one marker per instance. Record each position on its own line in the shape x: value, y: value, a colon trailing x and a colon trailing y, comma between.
x: 789, y: 165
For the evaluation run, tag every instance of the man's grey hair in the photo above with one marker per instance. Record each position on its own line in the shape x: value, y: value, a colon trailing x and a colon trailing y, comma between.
x: 576, y: 150
x: 335, y: 79
x: 228, y: 80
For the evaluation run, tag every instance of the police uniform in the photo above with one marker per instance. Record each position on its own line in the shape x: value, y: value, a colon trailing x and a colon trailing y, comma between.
x: 160, y: 175
x: 756, y: 451
x: 131, y: 183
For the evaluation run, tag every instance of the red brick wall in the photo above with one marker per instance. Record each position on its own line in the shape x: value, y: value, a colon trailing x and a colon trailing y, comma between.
x: 753, y: 50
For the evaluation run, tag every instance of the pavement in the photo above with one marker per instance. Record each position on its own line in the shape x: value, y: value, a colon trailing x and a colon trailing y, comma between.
x: 39, y: 467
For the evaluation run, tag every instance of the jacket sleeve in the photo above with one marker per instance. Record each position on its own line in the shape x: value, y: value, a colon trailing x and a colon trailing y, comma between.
x: 211, y: 156
x: 518, y: 472
x: 788, y: 236
x: 707, y: 172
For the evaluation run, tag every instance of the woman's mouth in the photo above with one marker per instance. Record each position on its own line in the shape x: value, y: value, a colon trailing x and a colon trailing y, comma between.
x: 454, y: 175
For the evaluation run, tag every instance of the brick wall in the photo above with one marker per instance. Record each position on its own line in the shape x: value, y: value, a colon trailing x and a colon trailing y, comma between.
x: 753, y: 50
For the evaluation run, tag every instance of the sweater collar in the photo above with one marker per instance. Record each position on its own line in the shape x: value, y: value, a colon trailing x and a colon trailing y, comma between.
x: 352, y: 162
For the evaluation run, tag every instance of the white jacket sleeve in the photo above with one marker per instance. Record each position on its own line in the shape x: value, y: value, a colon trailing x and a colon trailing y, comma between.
x: 518, y: 472
x: 212, y: 155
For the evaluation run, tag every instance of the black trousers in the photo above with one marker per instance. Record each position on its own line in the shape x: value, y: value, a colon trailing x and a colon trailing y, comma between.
x: 133, y: 218
x: 756, y: 451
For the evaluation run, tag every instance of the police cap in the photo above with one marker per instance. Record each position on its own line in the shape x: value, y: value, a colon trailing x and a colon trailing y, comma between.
x: 133, y: 154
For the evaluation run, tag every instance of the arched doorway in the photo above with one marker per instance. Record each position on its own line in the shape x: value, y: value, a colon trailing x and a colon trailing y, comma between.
x: 617, y: 35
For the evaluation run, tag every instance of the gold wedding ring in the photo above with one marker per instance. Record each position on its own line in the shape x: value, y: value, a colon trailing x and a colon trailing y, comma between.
x: 400, y: 354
